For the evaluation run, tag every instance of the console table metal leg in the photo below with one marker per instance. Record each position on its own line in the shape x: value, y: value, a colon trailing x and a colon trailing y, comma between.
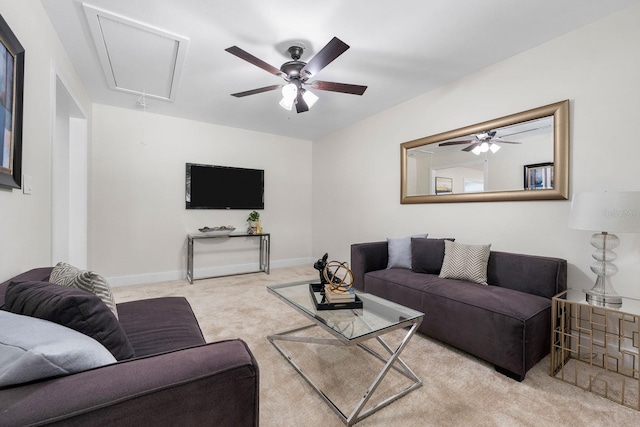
x: 265, y: 253
x: 190, y: 260
x: 267, y: 240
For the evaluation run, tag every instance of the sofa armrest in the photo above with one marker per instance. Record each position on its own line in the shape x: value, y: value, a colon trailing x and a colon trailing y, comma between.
x: 367, y: 257
x: 211, y: 384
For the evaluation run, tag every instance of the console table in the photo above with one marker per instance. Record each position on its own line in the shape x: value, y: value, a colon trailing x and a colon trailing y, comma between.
x: 595, y: 347
x: 265, y: 249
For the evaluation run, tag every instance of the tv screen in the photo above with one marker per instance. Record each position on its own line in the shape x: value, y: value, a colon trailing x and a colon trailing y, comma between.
x: 223, y: 187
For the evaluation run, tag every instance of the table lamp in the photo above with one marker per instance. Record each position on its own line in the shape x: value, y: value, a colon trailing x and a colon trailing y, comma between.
x: 605, y: 212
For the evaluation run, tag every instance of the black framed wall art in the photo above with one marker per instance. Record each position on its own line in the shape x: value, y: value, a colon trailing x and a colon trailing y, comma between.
x: 11, y: 92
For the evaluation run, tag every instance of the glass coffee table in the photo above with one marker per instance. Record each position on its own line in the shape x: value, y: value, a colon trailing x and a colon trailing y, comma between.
x: 376, y: 318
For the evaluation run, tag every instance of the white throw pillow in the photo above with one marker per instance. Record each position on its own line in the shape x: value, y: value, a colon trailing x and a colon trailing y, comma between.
x: 32, y: 349
x: 70, y: 276
x: 465, y: 262
x: 400, y: 251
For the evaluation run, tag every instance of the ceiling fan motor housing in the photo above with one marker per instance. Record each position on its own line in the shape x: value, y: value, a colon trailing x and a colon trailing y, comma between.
x: 292, y: 68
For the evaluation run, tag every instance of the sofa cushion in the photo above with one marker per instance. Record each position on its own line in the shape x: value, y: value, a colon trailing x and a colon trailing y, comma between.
x: 400, y: 251
x: 32, y: 349
x: 465, y: 262
x: 158, y: 325
x: 427, y: 255
x: 68, y: 275
x: 70, y: 307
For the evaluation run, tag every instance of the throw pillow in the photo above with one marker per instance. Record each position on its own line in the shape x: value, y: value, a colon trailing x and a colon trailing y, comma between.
x: 465, y: 262
x: 70, y: 307
x: 32, y: 349
x: 68, y: 275
x: 400, y: 251
x: 427, y: 255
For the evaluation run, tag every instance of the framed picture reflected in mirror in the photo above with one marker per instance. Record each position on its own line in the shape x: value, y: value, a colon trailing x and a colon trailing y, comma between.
x: 538, y: 176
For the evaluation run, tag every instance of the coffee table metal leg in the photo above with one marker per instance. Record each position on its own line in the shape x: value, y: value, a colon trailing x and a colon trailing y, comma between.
x: 357, y: 414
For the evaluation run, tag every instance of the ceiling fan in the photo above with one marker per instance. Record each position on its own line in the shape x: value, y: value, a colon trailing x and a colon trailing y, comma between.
x: 297, y: 73
x: 482, y: 142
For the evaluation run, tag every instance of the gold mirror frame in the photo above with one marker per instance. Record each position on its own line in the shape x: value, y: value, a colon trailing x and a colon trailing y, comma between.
x: 560, y: 191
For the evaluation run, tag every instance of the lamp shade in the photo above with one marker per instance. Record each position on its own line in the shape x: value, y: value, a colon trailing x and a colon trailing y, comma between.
x: 606, y: 211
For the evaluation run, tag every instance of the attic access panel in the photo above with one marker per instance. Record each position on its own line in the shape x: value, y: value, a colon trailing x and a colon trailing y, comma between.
x: 137, y: 58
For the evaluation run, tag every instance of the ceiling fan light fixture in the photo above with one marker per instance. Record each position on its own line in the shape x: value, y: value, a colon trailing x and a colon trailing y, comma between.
x: 309, y: 97
x: 494, y: 147
x: 476, y: 150
x: 484, y: 147
x: 289, y: 93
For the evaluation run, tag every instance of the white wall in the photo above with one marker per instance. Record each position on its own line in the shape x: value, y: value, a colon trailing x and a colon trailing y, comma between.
x: 596, y: 67
x: 138, y: 221
x: 25, y: 220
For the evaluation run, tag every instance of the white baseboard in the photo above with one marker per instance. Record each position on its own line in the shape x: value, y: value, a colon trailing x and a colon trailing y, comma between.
x: 226, y: 270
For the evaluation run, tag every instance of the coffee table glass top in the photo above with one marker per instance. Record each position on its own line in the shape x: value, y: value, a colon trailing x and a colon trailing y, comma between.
x: 376, y: 315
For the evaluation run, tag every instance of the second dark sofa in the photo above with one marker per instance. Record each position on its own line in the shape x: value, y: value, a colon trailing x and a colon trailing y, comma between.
x: 506, y: 323
x: 166, y: 374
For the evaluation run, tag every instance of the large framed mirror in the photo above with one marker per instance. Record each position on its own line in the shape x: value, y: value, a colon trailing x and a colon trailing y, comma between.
x: 524, y: 156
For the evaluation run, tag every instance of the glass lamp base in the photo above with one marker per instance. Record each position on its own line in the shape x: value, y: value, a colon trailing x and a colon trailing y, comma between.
x: 604, y: 300
x: 602, y: 294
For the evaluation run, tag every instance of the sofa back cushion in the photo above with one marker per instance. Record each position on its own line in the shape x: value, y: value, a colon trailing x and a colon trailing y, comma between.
x: 70, y: 307
x: 535, y: 275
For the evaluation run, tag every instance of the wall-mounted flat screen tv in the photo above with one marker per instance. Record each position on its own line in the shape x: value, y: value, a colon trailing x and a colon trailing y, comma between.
x: 224, y: 187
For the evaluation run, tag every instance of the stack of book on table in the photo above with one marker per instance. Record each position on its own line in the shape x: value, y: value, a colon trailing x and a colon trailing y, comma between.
x: 338, y: 295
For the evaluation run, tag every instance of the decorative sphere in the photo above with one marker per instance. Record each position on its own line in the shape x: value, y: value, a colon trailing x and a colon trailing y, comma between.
x: 338, y: 275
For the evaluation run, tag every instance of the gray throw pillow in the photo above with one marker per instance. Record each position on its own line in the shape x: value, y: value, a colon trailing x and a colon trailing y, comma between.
x: 68, y: 275
x: 32, y: 349
x: 465, y: 262
x: 400, y: 251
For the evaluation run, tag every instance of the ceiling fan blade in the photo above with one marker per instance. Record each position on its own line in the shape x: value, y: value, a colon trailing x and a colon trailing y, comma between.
x: 254, y: 91
x: 497, y: 140
x: 444, y: 144
x: 301, y: 104
x: 339, y: 87
x: 471, y: 147
x: 327, y: 54
x: 242, y: 54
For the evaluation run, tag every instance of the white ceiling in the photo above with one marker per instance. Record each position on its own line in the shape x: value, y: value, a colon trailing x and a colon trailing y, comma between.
x: 399, y: 49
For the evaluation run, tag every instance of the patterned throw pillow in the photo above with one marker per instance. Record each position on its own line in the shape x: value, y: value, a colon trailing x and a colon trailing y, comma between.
x: 70, y: 276
x: 465, y: 262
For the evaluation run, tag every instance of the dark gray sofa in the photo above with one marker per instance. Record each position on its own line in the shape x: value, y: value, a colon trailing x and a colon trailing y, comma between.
x: 506, y: 323
x: 174, y: 377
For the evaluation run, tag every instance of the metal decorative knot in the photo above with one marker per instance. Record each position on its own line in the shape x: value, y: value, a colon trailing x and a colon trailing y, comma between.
x: 338, y: 275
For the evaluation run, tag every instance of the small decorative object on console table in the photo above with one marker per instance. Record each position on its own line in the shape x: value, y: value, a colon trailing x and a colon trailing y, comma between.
x: 605, y: 212
x: 254, y: 223
x: 221, y: 230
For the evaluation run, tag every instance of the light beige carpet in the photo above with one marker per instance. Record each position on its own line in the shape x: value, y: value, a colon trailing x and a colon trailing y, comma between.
x: 458, y: 389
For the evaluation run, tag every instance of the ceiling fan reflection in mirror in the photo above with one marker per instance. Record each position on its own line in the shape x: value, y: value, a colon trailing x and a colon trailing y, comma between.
x: 485, y: 141
x: 297, y: 74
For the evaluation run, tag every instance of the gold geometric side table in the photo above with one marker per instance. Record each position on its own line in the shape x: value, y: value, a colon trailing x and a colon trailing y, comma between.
x: 597, y: 348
